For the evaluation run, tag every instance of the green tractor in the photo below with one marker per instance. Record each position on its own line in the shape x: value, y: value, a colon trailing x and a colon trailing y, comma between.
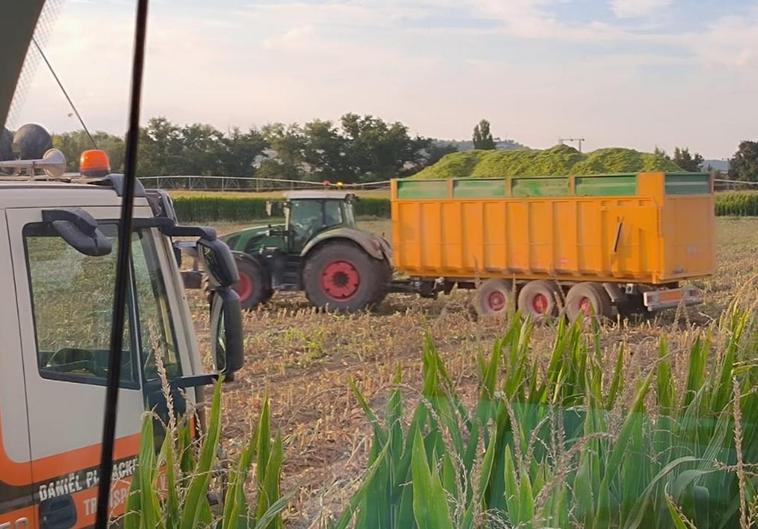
x: 319, y: 250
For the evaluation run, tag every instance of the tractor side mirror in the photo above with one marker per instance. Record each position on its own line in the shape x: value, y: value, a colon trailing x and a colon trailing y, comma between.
x: 274, y: 208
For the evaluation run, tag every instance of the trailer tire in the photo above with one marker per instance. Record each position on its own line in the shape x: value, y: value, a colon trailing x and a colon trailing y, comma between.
x: 342, y: 277
x: 494, y: 297
x: 588, y: 299
x: 539, y: 299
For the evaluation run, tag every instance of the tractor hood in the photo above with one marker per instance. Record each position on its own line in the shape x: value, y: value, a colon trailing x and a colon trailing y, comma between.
x: 246, y: 239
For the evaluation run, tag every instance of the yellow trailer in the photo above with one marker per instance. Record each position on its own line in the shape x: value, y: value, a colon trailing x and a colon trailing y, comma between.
x: 587, y: 243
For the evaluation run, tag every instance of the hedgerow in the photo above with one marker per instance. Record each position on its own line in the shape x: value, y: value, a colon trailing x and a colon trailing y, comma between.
x: 218, y: 207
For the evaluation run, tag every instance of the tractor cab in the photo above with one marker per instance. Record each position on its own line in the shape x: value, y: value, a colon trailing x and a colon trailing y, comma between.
x: 308, y: 213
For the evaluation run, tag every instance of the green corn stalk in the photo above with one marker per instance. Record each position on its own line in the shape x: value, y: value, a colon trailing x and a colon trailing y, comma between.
x: 181, y: 501
x: 543, y: 451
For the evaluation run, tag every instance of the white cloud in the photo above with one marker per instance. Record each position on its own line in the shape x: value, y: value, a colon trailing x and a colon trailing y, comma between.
x: 531, y: 19
x: 399, y: 59
x: 729, y: 41
x: 638, y: 8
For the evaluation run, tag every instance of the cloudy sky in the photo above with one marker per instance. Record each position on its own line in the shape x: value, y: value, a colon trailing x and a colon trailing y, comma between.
x: 636, y: 73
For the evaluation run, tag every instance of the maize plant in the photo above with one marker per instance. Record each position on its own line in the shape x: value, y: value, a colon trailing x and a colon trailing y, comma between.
x: 563, y: 448
x: 170, y: 489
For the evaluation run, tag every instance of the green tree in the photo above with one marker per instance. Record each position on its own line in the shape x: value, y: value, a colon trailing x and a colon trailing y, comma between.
x: 325, y: 151
x: 437, y: 150
x: 687, y: 161
x: 160, y: 149
x: 483, y: 136
x: 287, y: 143
x: 744, y: 164
x: 377, y: 150
x: 240, y: 151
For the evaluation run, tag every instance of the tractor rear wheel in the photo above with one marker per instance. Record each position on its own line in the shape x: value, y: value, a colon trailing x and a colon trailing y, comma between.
x: 342, y: 277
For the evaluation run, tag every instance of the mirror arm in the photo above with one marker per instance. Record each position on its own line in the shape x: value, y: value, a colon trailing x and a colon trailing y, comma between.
x: 171, y: 229
x: 183, y: 382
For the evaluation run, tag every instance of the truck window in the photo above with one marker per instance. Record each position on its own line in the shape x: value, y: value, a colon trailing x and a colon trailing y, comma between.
x: 157, y: 338
x: 72, y: 301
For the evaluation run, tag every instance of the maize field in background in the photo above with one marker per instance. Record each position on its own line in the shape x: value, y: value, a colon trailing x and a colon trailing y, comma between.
x: 236, y: 207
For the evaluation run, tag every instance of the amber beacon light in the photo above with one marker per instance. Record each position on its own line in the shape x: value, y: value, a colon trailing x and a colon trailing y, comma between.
x: 94, y: 162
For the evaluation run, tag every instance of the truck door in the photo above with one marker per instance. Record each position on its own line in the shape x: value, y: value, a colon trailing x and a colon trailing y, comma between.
x: 65, y: 332
x: 16, y: 499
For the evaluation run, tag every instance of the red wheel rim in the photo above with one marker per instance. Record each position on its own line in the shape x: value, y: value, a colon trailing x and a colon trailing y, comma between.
x: 340, y: 280
x: 585, y: 305
x: 540, y: 303
x: 244, y: 287
x: 496, y: 300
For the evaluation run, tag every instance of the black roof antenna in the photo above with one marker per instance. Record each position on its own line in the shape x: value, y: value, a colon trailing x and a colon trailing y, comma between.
x: 122, y: 270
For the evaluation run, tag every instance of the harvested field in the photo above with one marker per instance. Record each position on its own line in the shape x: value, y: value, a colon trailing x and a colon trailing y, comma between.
x: 305, y: 361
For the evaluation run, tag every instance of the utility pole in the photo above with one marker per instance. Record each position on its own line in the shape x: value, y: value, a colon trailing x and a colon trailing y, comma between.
x: 577, y: 140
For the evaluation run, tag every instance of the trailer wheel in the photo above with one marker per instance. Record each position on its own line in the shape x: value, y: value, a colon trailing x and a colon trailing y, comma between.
x: 587, y: 300
x: 539, y: 299
x: 342, y: 277
x: 493, y: 298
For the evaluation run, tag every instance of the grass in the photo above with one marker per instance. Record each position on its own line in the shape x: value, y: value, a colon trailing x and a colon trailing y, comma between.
x: 305, y: 362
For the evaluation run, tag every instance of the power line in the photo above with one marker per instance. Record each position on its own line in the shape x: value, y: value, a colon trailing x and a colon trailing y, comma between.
x: 577, y: 140
x: 65, y: 93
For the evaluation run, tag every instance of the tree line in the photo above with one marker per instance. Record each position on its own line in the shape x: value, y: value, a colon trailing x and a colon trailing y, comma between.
x: 354, y: 149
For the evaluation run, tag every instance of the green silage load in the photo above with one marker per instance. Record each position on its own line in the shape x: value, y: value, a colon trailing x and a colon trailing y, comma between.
x: 558, y: 160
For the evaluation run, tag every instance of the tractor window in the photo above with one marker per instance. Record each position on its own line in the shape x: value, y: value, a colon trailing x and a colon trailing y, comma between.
x: 72, y: 302
x: 332, y: 213
x: 348, y: 213
x: 306, y: 219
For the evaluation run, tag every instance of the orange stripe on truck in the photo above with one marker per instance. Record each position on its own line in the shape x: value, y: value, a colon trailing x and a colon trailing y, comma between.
x: 46, y: 468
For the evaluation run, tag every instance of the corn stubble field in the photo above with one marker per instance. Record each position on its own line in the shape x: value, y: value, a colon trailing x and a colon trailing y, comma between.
x: 442, y: 361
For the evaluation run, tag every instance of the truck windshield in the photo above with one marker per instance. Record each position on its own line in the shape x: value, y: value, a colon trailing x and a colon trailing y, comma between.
x: 72, y: 300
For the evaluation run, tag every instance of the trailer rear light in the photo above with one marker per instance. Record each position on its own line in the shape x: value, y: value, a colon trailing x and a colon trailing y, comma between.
x: 662, y: 299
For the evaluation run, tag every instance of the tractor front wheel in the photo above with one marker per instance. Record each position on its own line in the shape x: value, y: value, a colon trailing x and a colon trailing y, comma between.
x: 340, y: 276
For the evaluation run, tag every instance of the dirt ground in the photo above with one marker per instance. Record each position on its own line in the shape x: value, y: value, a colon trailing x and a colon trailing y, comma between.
x: 304, y: 361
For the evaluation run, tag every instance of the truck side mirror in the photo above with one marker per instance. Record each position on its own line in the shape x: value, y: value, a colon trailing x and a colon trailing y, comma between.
x: 218, y: 261
x: 79, y: 229
x: 226, y: 332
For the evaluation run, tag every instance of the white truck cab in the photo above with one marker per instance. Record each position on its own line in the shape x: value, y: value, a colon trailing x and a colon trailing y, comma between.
x: 57, y: 276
